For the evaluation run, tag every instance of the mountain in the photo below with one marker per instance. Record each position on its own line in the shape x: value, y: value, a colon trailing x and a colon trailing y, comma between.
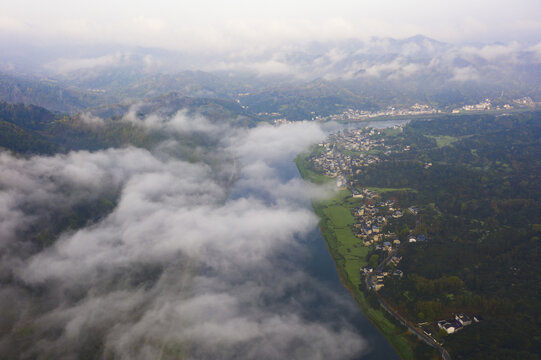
x: 167, y: 105
x: 45, y: 93
x: 299, y: 102
x: 34, y: 129
x: 296, y: 82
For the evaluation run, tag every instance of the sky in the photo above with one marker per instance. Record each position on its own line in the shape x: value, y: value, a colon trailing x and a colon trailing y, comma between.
x: 214, y: 25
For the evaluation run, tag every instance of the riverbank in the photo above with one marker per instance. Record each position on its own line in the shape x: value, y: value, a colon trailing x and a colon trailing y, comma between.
x: 349, y: 255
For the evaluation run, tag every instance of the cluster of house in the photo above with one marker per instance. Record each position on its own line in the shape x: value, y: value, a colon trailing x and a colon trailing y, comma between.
x: 363, y: 194
x: 356, y: 140
x: 457, y: 323
x: 416, y: 109
x: 526, y: 100
x: 483, y: 105
x: 372, y: 217
x: 377, y: 281
x: 356, y: 115
x: 418, y: 238
x: 346, y: 152
x: 334, y: 161
x: 487, y: 105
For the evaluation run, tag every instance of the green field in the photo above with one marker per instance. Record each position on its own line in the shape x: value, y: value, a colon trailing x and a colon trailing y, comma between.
x: 391, y: 131
x: 349, y: 254
x: 381, y: 190
x: 444, y: 140
x: 336, y: 224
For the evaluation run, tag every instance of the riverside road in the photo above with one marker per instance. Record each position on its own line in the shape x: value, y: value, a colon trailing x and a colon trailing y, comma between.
x: 412, y: 328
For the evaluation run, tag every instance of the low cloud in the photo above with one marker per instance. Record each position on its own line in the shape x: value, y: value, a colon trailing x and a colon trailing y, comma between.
x: 465, y: 74
x: 66, y: 65
x: 396, y: 69
x: 179, y: 123
x: 182, y: 265
x: 493, y: 52
x: 91, y: 120
x: 536, y: 50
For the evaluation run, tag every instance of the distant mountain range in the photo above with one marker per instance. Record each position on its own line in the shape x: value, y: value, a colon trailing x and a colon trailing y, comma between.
x: 294, y: 82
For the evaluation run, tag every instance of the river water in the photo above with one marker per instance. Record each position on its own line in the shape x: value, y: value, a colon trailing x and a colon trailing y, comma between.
x: 328, y: 300
x: 321, y: 266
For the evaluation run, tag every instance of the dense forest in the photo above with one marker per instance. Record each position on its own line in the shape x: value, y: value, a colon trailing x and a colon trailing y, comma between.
x: 477, y: 182
x: 30, y: 129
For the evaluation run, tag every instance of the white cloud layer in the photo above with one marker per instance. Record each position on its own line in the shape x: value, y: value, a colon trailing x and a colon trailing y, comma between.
x: 225, y: 26
x: 181, y: 265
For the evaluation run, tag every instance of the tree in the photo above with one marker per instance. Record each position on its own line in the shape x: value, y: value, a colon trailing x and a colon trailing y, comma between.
x: 374, y: 260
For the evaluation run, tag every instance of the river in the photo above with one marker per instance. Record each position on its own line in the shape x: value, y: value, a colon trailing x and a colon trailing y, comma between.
x: 324, y: 299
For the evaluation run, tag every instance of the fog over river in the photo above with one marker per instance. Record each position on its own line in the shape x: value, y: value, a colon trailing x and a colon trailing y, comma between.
x: 216, y: 258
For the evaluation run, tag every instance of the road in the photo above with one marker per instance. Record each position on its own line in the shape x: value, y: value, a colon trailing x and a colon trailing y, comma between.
x: 420, y: 334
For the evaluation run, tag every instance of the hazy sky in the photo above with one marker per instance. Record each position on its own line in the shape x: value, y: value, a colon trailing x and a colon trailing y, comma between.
x: 221, y: 25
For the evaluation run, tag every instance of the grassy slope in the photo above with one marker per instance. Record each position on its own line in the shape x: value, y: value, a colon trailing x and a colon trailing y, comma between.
x: 350, y: 255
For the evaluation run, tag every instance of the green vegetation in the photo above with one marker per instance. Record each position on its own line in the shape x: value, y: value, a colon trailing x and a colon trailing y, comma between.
x: 444, y: 140
x: 480, y: 206
x: 392, y: 131
x: 381, y: 190
x: 476, y: 180
x: 29, y: 129
x: 301, y: 102
x: 336, y: 222
x: 45, y: 93
x: 19, y: 140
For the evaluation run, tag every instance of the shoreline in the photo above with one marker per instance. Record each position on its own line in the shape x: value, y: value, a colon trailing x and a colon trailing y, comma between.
x: 395, y: 340
x: 395, y: 334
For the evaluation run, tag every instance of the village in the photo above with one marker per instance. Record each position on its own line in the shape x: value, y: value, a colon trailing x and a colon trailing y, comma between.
x: 347, y: 150
x: 343, y: 154
x: 423, y: 109
x: 356, y: 115
x: 371, y: 218
x: 340, y: 157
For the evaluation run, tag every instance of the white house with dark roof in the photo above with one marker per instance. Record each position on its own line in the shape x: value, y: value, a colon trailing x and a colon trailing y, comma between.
x: 463, y: 319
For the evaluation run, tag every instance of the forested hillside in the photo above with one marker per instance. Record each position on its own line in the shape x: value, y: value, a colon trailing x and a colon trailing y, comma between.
x: 477, y: 182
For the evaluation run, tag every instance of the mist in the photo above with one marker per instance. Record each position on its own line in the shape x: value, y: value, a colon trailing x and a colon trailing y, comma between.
x: 184, y: 265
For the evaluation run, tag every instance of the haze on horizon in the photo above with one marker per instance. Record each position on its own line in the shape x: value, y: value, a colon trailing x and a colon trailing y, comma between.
x: 212, y: 26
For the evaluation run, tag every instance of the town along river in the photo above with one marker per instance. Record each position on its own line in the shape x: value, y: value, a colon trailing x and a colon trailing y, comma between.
x: 321, y: 298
